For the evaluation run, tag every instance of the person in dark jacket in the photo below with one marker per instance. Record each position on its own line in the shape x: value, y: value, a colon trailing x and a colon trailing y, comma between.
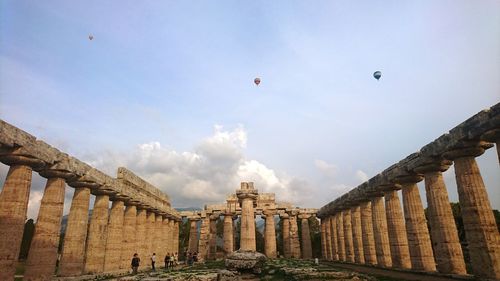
x: 167, y: 260
x: 135, y: 263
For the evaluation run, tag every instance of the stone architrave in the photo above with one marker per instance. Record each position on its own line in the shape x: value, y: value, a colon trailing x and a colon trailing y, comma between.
x: 479, y: 222
x: 323, y: 238
x: 357, y: 237
x: 270, y: 234
x: 285, y: 219
x: 97, y: 232
x: 306, y: 236
x: 419, y: 241
x: 112, y: 257
x: 42, y: 256
x: 380, y: 234
x: 76, y: 234
x: 141, y: 234
x: 129, y: 237
x: 212, y: 238
x: 444, y: 234
x: 228, y: 233
x: 204, y: 233
x: 400, y: 254
x: 349, y: 246
x: 294, y: 236
x: 334, y: 239
x: 13, y: 207
x: 193, y: 235
x: 339, y: 217
x: 367, y: 230
x: 328, y: 237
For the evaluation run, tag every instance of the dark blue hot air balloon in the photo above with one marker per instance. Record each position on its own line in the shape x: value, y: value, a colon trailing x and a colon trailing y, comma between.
x: 377, y: 74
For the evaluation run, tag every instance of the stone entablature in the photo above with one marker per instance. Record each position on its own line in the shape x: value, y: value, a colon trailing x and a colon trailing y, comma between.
x: 17, y: 145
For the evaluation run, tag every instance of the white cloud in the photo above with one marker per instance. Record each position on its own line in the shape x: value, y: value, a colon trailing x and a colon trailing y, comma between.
x: 327, y: 169
x: 34, y: 203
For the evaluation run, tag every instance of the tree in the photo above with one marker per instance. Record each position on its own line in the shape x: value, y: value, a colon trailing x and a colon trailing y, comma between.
x: 259, y: 241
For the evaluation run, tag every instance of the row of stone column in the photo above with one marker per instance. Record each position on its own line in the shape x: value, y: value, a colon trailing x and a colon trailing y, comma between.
x: 106, y: 243
x: 366, y: 231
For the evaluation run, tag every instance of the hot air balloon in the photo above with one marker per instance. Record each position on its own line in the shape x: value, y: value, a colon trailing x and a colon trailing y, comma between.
x: 256, y: 81
x: 91, y: 37
x: 377, y: 74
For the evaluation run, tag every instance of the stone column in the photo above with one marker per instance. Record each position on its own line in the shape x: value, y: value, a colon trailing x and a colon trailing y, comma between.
x: 479, y: 222
x: 306, y: 236
x: 193, y: 235
x: 247, y: 196
x: 228, y: 233
x: 380, y: 234
x: 349, y: 247
x: 176, y: 237
x: 76, y: 234
x: 328, y: 237
x: 96, y: 241
x: 165, y: 229
x: 285, y: 219
x: 204, y: 233
x: 339, y: 217
x: 42, y: 255
x: 150, y: 233
x: 294, y: 236
x: 158, y: 246
x: 367, y: 230
x: 171, y: 236
x: 400, y: 254
x: 444, y: 235
x: 129, y: 238
x: 270, y: 234
x: 212, y: 242
x: 419, y: 241
x: 113, y: 253
x: 13, y: 207
x: 323, y: 238
x: 357, y: 236
x: 142, y: 236
x: 334, y: 240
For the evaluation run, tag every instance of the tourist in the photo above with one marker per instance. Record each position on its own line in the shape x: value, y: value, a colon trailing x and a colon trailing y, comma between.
x: 195, y: 257
x: 135, y: 263
x: 176, y: 259
x: 167, y: 260
x: 153, y: 261
x: 171, y: 260
x: 189, y: 259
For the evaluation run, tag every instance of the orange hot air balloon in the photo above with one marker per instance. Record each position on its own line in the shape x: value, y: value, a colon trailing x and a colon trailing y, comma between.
x: 256, y: 81
x: 91, y: 37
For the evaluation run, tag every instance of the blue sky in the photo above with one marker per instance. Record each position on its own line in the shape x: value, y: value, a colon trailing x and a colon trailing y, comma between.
x: 165, y: 87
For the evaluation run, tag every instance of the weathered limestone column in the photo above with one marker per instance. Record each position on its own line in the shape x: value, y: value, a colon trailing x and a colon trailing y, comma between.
x: 323, y: 238
x: 204, y: 233
x: 171, y: 236
x: 270, y: 234
x: 129, y: 237
x: 334, y: 239
x: 247, y: 195
x: 419, y: 241
x: 380, y: 234
x: 76, y: 233
x: 165, y: 236
x: 400, y: 254
x: 479, y: 222
x: 212, y: 242
x: 328, y: 237
x: 114, y: 240
x: 357, y: 236
x: 162, y: 240
x: 13, y: 207
x: 367, y: 230
x: 96, y: 241
x: 193, y: 234
x: 306, y: 236
x: 42, y: 256
x: 150, y: 232
x: 339, y: 217
x: 444, y: 235
x: 349, y: 247
x: 228, y: 233
x: 285, y: 219
x: 141, y: 234
x: 294, y: 235
x: 176, y: 236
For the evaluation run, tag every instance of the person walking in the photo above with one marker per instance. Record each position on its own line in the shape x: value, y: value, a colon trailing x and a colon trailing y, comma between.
x: 175, y: 259
x: 153, y: 261
x: 135, y: 263
x: 167, y: 260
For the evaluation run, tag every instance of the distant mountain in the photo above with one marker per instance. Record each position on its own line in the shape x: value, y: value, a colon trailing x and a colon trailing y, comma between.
x: 188, y: 209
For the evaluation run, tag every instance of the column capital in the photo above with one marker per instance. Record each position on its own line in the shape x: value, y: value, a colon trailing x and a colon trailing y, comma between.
x: 469, y: 148
x: 491, y: 136
x: 18, y: 156
x: 304, y: 216
x: 269, y: 212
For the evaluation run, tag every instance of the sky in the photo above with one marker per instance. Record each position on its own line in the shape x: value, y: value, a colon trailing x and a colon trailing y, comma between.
x: 165, y: 88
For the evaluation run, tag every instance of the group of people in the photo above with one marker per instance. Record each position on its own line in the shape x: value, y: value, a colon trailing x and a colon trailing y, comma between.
x: 190, y: 258
x: 170, y: 261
